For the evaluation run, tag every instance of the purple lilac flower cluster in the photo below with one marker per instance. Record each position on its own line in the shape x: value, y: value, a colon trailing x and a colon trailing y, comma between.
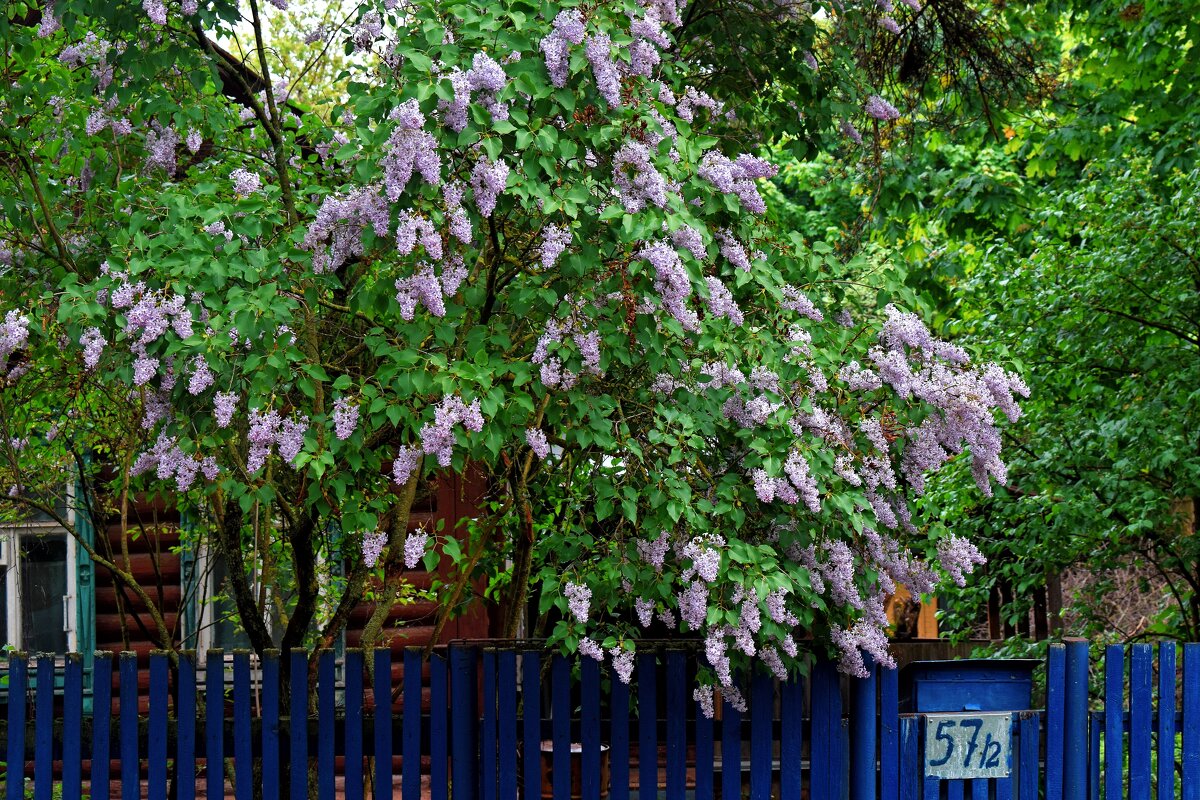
x: 345, y: 418
x: 335, y: 235
x: 414, y: 548
x: 568, y: 29
x: 409, y: 149
x: 270, y: 430
x: 14, y: 335
x: 638, y: 181
x: 737, y: 177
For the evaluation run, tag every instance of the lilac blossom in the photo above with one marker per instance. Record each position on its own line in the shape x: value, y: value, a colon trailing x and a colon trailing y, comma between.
x: 878, y: 108
x: 555, y: 239
x: 622, y: 661
x: 93, y: 344
x: 733, y: 250
x: 410, y: 148
x: 568, y: 29
x: 721, y: 302
x: 638, y: 181
x: 958, y: 557
x: 796, y: 300
x: 579, y: 601
x: 245, y: 182
x: 345, y: 418
x: 737, y: 177
x: 372, y: 547
x: 414, y: 548
x: 405, y: 464
x: 224, y: 404
x: 672, y: 282
x: 487, y: 180
x: 537, y: 442
x: 608, y: 81
x: 589, y: 648
x: 202, y: 376
x: 335, y: 235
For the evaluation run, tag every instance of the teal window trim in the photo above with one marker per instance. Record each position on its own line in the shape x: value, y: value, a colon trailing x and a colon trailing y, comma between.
x: 85, y: 591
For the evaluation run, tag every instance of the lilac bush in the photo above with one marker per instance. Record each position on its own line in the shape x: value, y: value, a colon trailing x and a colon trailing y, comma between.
x: 517, y: 228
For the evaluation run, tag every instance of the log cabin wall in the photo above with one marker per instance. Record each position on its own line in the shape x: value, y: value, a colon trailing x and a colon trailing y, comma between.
x: 122, y: 622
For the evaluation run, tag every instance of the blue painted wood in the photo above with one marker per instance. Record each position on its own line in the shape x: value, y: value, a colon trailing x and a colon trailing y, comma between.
x: 1004, y: 786
x: 214, y: 723
x: 908, y: 782
x: 487, y: 745
x: 102, y: 670
x: 438, y: 729
x: 589, y: 708
x: 1029, y: 731
x: 531, y: 700
x: 863, y: 732
x: 932, y: 788
x: 185, y: 731
x: 1166, y: 721
x: 410, y: 773
x: 507, y: 713
x: 762, y: 711
x: 791, y: 738
x: 298, y: 723
x: 243, y: 745
x: 1056, y: 677
x: 954, y: 790
x: 677, y: 708
x: 619, y: 740
x: 354, y: 724
x: 731, y: 750
x: 131, y: 784
x: 270, y: 725
x: 464, y: 751
x: 156, y: 745
x: 828, y: 753
x: 1114, y: 719
x: 72, y: 774
x: 1075, y: 722
x: 647, y: 695
x: 382, y: 687
x: 1190, y: 775
x: 560, y: 726
x: 326, y: 709
x: 18, y: 686
x: 889, y: 733
x: 43, y: 728
x: 1140, y: 713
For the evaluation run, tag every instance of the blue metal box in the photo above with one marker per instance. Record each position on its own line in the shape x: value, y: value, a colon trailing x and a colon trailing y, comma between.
x: 972, y: 684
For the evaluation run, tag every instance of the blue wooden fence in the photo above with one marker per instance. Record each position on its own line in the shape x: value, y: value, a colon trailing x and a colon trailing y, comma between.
x: 481, y: 723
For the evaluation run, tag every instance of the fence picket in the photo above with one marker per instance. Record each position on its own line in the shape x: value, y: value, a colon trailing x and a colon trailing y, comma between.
x: 43, y: 730
x: 156, y: 745
x: 619, y: 741
x: 326, y: 708
x: 354, y: 696
x: 677, y: 706
x: 508, y: 725
x: 270, y: 726
x: 1030, y: 744
x: 1189, y: 783
x: 954, y: 790
x: 382, y: 689
x: 102, y: 669
x: 1004, y: 786
x: 1166, y: 721
x: 438, y: 752
x: 18, y: 685
x: 463, y: 746
x: 889, y: 733
x: 410, y: 771
x: 531, y: 700
x: 791, y: 738
x: 1114, y: 721
x: 706, y: 754
x: 214, y: 724
x: 1075, y: 722
x: 185, y: 730
x: 243, y: 746
x: 560, y: 721
x: 827, y: 750
x: 863, y: 727
x: 1140, y: 711
x: 298, y: 723
x: 647, y: 727
x: 762, y: 711
x: 589, y: 713
x: 128, y: 734
x: 487, y: 747
x: 1056, y: 677
x: 72, y: 774
x: 731, y: 750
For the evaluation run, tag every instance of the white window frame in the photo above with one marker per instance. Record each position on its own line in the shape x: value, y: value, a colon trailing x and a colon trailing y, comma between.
x: 10, y: 535
x: 203, y: 603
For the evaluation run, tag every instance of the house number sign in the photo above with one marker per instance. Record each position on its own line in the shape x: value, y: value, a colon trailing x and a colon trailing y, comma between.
x: 961, y: 746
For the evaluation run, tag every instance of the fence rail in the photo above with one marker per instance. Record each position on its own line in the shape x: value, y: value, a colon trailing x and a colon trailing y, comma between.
x: 480, y: 723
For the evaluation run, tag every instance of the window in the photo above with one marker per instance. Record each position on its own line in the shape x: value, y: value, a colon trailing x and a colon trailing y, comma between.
x: 38, y: 595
